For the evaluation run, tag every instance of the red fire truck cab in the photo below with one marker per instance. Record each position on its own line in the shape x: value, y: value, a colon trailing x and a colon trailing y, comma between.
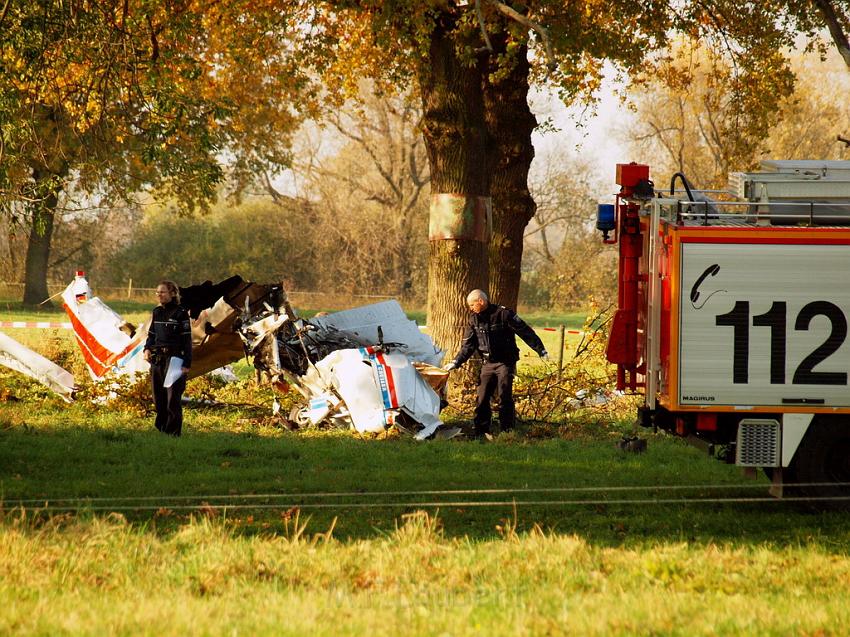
x: 732, y: 317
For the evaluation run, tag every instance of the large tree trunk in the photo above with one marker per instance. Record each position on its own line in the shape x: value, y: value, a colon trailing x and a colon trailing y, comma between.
x: 41, y: 233
x: 510, y: 122
x: 457, y: 144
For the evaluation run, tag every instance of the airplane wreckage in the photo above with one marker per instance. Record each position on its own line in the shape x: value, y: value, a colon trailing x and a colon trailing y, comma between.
x: 368, y: 368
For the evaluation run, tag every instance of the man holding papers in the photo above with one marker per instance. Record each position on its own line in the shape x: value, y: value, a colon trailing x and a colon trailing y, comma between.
x: 169, y: 350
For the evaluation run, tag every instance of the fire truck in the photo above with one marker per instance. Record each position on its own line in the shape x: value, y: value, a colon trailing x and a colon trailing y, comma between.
x: 731, y: 318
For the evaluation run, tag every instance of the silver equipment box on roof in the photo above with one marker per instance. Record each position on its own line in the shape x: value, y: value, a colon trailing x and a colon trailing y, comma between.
x: 798, y: 191
x: 832, y: 167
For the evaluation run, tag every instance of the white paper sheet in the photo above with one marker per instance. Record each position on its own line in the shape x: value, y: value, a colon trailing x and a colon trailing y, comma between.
x: 174, y: 371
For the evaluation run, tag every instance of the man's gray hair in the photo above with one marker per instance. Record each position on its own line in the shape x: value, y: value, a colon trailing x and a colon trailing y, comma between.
x: 475, y: 295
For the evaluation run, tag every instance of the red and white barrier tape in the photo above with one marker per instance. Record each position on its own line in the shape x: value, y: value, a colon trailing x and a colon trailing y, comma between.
x: 36, y: 324
x: 556, y: 329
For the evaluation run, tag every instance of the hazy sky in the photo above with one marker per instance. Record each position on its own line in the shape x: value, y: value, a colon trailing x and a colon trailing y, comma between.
x: 583, y: 133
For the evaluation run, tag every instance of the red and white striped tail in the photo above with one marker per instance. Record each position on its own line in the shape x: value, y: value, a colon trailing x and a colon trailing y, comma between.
x: 104, y: 346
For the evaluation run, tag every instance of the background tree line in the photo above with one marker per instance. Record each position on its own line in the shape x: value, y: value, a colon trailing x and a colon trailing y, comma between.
x: 184, y: 111
x: 356, y: 203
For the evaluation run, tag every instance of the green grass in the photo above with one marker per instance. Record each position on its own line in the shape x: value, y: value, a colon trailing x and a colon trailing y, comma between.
x: 597, y: 569
x: 103, y: 576
x: 571, y: 320
x: 84, y: 452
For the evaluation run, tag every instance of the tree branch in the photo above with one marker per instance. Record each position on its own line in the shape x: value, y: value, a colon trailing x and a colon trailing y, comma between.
x: 515, y: 15
x: 712, y: 137
x: 483, y: 26
x: 5, y: 11
x: 416, y: 178
x: 277, y: 196
x: 376, y: 161
x: 658, y: 133
x: 839, y: 37
x: 153, y: 39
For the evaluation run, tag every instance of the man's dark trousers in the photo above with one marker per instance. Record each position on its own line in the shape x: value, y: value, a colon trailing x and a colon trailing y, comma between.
x: 169, y: 410
x: 496, y: 379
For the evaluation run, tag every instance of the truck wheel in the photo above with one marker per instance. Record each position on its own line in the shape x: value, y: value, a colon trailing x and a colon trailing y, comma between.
x: 824, y: 456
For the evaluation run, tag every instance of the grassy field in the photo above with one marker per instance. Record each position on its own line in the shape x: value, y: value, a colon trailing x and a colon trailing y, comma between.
x: 105, y: 576
x: 130, y: 559
x: 244, y: 527
x: 106, y: 462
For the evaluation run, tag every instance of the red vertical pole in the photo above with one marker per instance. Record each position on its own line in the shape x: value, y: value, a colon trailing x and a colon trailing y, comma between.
x: 623, y: 340
x: 631, y: 248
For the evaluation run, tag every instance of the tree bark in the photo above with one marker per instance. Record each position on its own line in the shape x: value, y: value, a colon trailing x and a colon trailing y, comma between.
x: 457, y: 143
x: 836, y: 30
x: 510, y: 122
x: 41, y: 233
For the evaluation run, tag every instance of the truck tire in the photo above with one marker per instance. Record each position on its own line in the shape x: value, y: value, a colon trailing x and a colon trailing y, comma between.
x: 824, y: 456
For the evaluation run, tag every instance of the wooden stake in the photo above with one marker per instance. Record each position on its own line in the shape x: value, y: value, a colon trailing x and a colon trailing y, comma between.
x: 561, y: 348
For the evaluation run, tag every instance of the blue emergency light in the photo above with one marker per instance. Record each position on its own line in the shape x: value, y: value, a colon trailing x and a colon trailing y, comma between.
x: 606, y: 219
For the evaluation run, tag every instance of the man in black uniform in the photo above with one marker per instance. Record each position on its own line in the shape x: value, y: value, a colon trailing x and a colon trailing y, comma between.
x: 169, y: 335
x: 491, y: 331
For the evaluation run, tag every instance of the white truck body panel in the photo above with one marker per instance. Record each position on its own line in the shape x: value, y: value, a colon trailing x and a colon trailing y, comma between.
x: 785, y: 345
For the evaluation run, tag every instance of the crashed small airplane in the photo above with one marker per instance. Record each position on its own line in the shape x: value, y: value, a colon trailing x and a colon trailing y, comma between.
x: 368, y: 368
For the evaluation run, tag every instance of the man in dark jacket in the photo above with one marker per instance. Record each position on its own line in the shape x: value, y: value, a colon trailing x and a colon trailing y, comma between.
x: 169, y: 335
x: 491, y: 331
